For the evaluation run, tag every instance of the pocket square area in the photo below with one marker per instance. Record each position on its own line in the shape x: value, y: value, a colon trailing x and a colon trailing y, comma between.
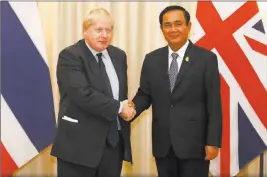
x: 70, y: 119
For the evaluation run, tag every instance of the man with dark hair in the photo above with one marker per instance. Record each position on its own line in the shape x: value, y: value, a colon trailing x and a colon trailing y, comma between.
x: 185, y: 96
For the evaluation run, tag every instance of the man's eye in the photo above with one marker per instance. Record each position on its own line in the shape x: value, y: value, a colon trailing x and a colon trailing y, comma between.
x: 167, y: 25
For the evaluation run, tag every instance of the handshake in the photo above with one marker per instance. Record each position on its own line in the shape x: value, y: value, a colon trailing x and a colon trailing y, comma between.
x: 128, y: 110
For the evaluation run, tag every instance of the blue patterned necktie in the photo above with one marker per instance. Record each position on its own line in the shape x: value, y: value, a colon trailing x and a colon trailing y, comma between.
x: 173, y: 71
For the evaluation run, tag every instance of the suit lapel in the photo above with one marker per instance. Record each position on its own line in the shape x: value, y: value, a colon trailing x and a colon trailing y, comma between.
x: 91, y: 60
x: 164, y: 65
x: 186, y: 63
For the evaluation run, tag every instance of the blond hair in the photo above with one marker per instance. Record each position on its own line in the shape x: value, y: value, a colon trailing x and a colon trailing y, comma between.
x: 92, y: 16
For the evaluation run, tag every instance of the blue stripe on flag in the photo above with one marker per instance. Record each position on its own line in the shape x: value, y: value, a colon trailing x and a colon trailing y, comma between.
x: 26, y: 84
x: 259, y: 26
x: 250, y: 144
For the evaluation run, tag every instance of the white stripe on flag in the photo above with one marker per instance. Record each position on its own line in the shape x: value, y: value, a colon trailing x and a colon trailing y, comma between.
x: 15, y: 140
x: 263, y: 12
x: 29, y: 16
x: 248, y: 30
x: 252, y: 116
x: 229, y: 79
x: 234, y: 132
x: 256, y: 59
x: 226, y: 9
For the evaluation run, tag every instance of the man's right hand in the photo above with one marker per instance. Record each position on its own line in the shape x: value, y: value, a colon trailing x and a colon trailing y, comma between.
x: 128, y: 112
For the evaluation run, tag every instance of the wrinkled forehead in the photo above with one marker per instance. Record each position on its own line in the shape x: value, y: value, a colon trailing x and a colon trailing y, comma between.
x: 102, y: 21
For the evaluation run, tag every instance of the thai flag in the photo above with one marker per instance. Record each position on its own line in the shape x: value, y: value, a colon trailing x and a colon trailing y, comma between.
x: 27, y: 111
x: 235, y: 32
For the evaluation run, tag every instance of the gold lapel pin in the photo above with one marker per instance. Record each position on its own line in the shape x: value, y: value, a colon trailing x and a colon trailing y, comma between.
x: 187, y: 59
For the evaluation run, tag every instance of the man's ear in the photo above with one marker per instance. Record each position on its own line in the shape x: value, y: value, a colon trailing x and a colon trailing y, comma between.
x: 189, y: 25
x: 85, y: 33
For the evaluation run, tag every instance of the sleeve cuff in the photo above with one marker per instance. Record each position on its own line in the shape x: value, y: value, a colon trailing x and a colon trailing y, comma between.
x: 120, y: 109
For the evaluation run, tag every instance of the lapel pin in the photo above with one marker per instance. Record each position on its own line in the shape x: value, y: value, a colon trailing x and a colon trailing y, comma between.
x: 187, y: 59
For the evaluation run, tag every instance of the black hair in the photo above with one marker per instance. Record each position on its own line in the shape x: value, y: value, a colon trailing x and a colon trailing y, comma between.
x: 174, y: 7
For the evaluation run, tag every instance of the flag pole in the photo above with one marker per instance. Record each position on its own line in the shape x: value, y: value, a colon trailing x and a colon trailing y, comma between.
x: 261, y: 164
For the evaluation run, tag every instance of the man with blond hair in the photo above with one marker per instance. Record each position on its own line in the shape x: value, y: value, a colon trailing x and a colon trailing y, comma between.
x: 93, y: 138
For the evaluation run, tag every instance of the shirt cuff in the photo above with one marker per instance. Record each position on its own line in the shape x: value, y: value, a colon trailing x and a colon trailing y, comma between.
x: 120, y: 109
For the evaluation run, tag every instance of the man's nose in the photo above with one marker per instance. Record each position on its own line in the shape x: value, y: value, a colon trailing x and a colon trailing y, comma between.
x: 174, y: 27
x: 104, y: 33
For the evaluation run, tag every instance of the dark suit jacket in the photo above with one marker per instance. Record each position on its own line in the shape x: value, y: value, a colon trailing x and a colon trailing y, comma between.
x: 190, y: 117
x: 82, y: 98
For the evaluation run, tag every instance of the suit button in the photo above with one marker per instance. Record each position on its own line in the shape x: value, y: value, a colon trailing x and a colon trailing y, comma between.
x: 171, y: 105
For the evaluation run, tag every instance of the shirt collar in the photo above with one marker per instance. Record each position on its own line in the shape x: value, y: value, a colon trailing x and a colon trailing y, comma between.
x: 181, y: 51
x: 94, y: 52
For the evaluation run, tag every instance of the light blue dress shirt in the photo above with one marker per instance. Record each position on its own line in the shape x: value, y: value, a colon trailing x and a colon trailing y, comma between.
x: 112, y: 75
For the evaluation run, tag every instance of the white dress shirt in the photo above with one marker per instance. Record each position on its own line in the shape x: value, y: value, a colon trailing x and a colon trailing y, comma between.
x: 180, y: 53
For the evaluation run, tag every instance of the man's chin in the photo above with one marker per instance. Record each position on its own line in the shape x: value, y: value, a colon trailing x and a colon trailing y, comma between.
x: 175, y: 41
x: 102, y: 48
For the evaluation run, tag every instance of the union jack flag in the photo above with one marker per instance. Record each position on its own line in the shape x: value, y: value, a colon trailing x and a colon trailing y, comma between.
x: 235, y: 32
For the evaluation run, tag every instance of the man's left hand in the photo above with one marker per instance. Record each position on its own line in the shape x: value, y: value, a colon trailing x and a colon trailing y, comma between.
x: 211, y: 152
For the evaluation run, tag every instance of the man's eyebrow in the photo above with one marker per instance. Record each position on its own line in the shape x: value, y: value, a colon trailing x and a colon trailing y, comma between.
x: 172, y: 22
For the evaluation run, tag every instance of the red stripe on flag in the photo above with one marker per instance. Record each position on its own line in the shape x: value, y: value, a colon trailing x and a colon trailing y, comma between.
x: 8, y: 165
x: 225, y: 150
x: 246, y: 77
x: 211, y: 22
x: 257, y: 46
x: 219, y: 35
x: 216, y: 30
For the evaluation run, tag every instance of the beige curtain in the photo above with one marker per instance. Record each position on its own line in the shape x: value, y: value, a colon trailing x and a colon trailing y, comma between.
x: 137, y: 32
